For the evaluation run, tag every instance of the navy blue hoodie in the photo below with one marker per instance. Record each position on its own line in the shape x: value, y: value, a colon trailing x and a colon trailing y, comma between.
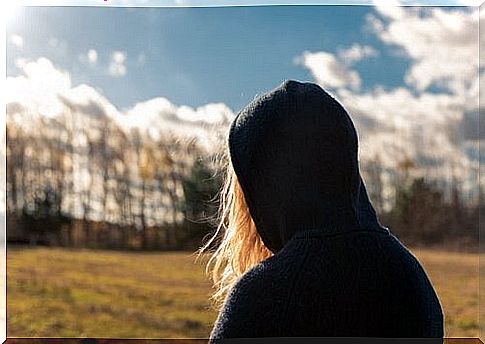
x: 336, y: 271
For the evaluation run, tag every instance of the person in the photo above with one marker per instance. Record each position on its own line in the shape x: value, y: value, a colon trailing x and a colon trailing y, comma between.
x: 301, y: 251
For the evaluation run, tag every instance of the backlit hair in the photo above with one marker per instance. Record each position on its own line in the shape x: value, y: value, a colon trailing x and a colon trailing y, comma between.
x: 240, y: 246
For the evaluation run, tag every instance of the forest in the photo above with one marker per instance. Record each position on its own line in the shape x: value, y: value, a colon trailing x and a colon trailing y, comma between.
x: 86, y: 182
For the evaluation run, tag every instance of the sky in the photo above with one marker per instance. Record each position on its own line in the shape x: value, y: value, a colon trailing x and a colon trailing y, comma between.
x: 407, y: 75
x: 226, y: 54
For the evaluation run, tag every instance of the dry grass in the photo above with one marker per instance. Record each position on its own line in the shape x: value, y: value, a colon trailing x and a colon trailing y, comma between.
x: 76, y: 293
x: 455, y: 277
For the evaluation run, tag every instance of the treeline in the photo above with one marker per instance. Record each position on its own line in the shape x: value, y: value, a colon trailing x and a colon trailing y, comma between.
x: 93, y: 184
x: 422, y: 216
x: 423, y: 210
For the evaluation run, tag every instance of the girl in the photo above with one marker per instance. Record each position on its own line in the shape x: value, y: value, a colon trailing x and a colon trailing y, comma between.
x: 302, y: 252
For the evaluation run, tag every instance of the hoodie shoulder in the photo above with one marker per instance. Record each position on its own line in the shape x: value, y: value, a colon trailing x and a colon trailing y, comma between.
x: 256, y: 305
x: 245, y: 310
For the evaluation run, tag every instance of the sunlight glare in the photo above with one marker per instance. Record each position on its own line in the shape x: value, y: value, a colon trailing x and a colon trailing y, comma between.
x: 9, y: 8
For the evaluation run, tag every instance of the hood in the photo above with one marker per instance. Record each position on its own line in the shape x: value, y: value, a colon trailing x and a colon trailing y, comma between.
x: 295, y: 153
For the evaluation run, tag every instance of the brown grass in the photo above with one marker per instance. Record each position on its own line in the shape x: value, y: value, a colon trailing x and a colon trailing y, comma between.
x: 55, y: 292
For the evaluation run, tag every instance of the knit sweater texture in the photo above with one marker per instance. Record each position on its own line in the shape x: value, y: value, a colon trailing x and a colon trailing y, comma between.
x: 336, y: 271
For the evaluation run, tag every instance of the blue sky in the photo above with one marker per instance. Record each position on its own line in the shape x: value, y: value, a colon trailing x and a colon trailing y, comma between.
x: 195, y: 56
x: 407, y: 75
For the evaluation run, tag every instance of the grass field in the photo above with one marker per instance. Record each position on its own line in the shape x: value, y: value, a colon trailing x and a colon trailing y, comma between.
x: 92, y: 293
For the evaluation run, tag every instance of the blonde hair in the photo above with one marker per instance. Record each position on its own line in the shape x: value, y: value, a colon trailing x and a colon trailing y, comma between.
x: 240, y: 246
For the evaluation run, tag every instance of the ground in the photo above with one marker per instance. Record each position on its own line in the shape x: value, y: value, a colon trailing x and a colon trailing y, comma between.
x: 94, y: 293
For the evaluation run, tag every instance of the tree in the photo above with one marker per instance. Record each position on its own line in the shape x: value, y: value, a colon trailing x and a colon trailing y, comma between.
x: 200, y: 189
x: 419, y: 213
x: 375, y: 182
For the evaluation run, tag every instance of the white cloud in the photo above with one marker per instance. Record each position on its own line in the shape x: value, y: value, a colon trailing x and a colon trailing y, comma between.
x: 88, y: 101
x: 397, y: 123
x: 210, y: 113
x: 356, y: 53
x: 117, y: 65
x: 147, y: 114
x: 90, y: 58
x: 207, y: 124
x: 442, y: 44
x: 38, y: 87
x: 17, y: 41
x: 328, y: 71
x: 45, y: 90
x: 390, y: 8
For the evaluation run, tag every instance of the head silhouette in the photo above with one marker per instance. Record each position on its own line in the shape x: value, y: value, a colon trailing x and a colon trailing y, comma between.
x: 293, y: 166
x: 295, y: 153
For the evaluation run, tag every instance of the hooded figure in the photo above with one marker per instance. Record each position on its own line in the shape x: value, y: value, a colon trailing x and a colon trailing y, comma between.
x: 331, y: 268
